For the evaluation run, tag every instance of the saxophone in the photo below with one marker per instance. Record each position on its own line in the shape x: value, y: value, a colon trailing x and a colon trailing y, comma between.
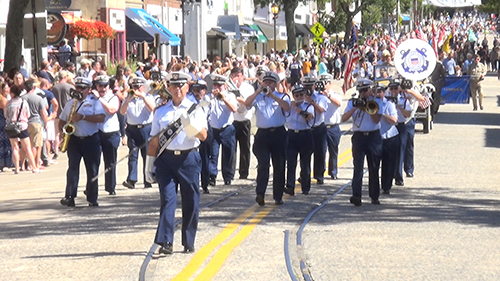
x: 68, y: 129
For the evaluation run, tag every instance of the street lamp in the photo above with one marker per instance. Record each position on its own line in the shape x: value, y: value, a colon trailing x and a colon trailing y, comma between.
x: 275, y: 9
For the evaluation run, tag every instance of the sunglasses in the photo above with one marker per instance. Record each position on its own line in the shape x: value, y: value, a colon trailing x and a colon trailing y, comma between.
x: 299, y: 95
x: 393, y: 88
x: 178, y: 85
x: 363, y: 91
x: 81, y: 88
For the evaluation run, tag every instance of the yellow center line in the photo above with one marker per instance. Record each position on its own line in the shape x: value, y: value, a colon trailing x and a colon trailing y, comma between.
x: 220, y: 257
x: 222, y: 254
x: 204, y: 252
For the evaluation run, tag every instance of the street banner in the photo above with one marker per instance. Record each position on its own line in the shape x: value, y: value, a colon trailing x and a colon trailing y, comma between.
x: 456, y: 90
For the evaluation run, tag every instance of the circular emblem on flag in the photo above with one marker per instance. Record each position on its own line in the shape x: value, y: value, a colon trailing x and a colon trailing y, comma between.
x: 415, y: 59
x: 169, y: 132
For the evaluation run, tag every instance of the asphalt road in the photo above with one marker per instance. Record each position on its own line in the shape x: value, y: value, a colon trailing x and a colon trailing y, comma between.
x: 442, y: 225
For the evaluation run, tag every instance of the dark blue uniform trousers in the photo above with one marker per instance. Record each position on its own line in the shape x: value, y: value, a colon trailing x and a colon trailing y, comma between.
x: 406, y: 146
x: 319, y: 136
x: 367, y: 144
x: 89, y: 149
x: 270, y: 144
x: 390, y: 150
x: 226, y: 138
x: 299, y: 143
x: 109, y: 145
x: 243, y: 132
x: 183, y: 170
x: 135, y: 138
x: 333, y: 135
x: 206, y: 156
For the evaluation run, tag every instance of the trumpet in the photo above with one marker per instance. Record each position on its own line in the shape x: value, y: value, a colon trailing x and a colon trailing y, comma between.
x: 159, y: 88
x: 371, y: 107
x: 131, y: 92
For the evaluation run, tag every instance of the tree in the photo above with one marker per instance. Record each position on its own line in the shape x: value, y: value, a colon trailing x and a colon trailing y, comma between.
x: 490, y: 6
x: 14, y: 34
x: 288, y: 7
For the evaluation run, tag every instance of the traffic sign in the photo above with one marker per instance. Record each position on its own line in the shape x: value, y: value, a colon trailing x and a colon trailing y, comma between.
x: 318, y: 29
x: 318, y: 40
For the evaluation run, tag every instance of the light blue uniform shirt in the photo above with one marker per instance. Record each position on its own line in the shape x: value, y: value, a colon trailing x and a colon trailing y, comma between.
x: 332, y: 113
x: 387, y: 130
x: 322, y: 101
x: 137, y: 113
x: 167, y: 114
x: 220, y: 114
x: 297, y: 121
x: 89, y: 106
x: 362, y: 121
x: 111, y: 123
x: 268, y: 113
x: 407, y: 104
x: 205, y: 109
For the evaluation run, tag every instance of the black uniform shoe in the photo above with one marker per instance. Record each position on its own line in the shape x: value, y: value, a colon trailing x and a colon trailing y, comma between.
x: 188, y: 250
x: 85, y: 192
x: 356, y: 201
x: 409, y: 175
x: 243, y: 177
x: 289, y: 190
x: 305, y: 192
x: 227, y: 182
x: 205, y: 190
x: 400, y: 183
x: 334, y: 177
x: 93, y: 204
x: 212, y: 181
x: 299, y: 180
x: 278, y: 202
x: 147, y: 185
x: 111, y: 192
x: 70, y: 202
x: 375, y: 202
x: 260, y: 200
x: 320, y: 181
x: 386, y: 192
x: 166, y: 248
x: 128, y: 184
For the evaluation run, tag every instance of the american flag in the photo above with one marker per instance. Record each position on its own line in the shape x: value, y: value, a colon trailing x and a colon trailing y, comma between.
x: 352, y: 60
x: 434, y: 39
x: 393, y: 39
x: 425, y: 103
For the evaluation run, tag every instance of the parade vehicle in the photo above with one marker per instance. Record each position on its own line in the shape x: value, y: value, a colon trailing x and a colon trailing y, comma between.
x: 383, y: 74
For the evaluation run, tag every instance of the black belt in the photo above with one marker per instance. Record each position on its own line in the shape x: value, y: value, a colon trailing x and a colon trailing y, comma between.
x: 86, y: 137
x: 331, y: 126
x: 367, y: 133
x: 223, y: 128
x: 109, y: 133
x: 139, y: 126
x: 298, y: 131
x: 314, y: 127
x: 180, y: 152
x: 272, y: 129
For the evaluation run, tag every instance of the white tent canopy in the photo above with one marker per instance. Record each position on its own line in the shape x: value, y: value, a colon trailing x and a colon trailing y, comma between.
x: 452, y: 3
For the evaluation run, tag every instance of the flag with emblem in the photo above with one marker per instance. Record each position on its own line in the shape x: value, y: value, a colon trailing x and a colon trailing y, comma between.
x: 352, y: 60
x: 393, y: 39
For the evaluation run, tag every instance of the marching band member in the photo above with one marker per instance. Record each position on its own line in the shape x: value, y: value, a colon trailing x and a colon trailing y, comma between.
x: 179, y: 164
x: 138, y: 108
x: 407, y: 105
x: 83, y: 143
x: 300, y: 141
x: 199, y: 93
x: 332, y: 121
x: 109, y: 131
x: 390, y: 140
x: 320, y: 102
x: 221, y: 118
x: 242, y: 122
x: 366, y: 141
x: 271, y: 137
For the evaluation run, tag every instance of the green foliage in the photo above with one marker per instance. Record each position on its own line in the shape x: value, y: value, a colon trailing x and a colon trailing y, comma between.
x: 373, y: 17
x: 333, y: 24
x: 113, y: 65
x: 490, y: 6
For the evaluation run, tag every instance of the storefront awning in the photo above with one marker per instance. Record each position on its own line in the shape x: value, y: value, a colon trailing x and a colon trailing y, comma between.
x: 222, y: 33
x: 142, y: 27
x: 261, y: 37
x: 231, y: 24
x: 303, y: 30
